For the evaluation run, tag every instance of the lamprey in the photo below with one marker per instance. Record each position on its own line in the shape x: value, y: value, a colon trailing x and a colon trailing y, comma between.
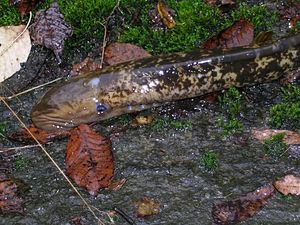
x: 145, y: 83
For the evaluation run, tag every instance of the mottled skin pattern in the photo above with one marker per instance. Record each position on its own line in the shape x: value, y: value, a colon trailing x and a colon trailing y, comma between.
x: 152, y: 81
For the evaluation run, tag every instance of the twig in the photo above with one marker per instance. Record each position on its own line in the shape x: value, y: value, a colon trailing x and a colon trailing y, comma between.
x: 105, y: 32
x: 5, y: 49
x: 55, y: 164
x: 33, y: 88
x: 17, y: 148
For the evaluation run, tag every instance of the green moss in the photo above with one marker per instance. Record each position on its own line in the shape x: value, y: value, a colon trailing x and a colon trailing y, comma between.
x: 275, y: 147
x: 210, y: 160
x: 21, y: 162
x: 231, y: 102
x: 230, y: 127
x: 232, y: 106
x: 2, y: 129
x: 259, y: 15
x: 164, y: 122
x: 195, y: 22
x: 287, y: 113
x: 8, y: 14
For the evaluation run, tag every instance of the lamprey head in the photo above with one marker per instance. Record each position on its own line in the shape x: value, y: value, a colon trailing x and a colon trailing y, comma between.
x: 69, y: 104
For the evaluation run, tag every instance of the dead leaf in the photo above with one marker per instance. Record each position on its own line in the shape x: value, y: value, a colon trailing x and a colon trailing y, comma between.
x: 290, y: 137
x: 143, y: 120
x: 11, y: 56
x: 86, y: 66
x: 165, y: 14
x: 122, y: 52
x: 239, y: 34
x: 10, y: 202
x: 242, y: 208
x: 161, y: 16
x: 117, y: 185
x: 289, y: 184
x: 89, y: 159
x: 147, y: 207
x: 42, y: 135
x: 51, y: 30
x: 25, y: 6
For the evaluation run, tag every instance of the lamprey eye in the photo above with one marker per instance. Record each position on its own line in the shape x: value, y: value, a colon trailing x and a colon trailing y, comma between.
x: 100, y: 107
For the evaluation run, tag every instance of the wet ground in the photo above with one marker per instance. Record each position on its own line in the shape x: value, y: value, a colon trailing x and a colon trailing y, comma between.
x: 162, y: 164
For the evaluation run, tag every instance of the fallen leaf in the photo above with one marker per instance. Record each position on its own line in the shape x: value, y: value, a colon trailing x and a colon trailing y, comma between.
x: 51, y: 30
x: 11, y: 56
x: 240, y: 33
x: 117, y: 185
x: 161, y: 16
x: 147, y: 207
x: 41, y: 135
x: 76, y: 221
x: 89, y: 159
x: 122, y: 52
x: 10, y: 202
x: 143, y: 119
x: 289, y: 184
x: 86, y: 66
x: 290, y: 137
x: 165, y: 14
x: 242, y: 208
x: 25, y: 6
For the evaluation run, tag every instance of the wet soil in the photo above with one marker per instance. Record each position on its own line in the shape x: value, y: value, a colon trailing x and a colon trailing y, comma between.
x: 162, y: 164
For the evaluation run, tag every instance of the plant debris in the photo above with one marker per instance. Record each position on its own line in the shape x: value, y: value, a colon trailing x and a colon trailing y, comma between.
x: 123, y: 52
x: 240, y: 33
x: 290, y: 137
x: 13, y: 53
x: 240, y: 209
x: 147, y: 207
x: 10, y: 202
x: 86, y: 66
x: 161, y: 16
x: 41, y: 135
x: 51, y: 30
x: 289, y: 184
x: 89, y: 159
x: 25, y: 6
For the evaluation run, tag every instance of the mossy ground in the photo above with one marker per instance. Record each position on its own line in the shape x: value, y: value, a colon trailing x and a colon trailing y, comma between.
x: 195, y: 21
x: 287, y: 113
x: 232, y: 105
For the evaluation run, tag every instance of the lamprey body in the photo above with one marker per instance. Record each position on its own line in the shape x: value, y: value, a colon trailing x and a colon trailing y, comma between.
x: 145, y: 83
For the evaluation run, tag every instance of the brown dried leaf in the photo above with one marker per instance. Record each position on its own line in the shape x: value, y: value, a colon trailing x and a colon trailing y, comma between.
x: 143, y: 120
x: 10, y: 202
x: 89, y: 159
x: 86, y: 66
x: 239, y: 34
x: 242, y: 208
x: 25, y: 6
x: 51, y: 30
x: 165, y: 14
x: 42, y: 135
x: 122, y: 52
x: 147, y: 207
x: 289, y: 184
x: 290, y: 137
x: 117, y: 185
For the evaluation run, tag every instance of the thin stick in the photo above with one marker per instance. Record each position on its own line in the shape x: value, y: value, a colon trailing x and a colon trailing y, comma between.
x: 5, y: 49
x: 55, y: 164
x: 105, y: 32
x: 33, y: 88
x: 17, y: 148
